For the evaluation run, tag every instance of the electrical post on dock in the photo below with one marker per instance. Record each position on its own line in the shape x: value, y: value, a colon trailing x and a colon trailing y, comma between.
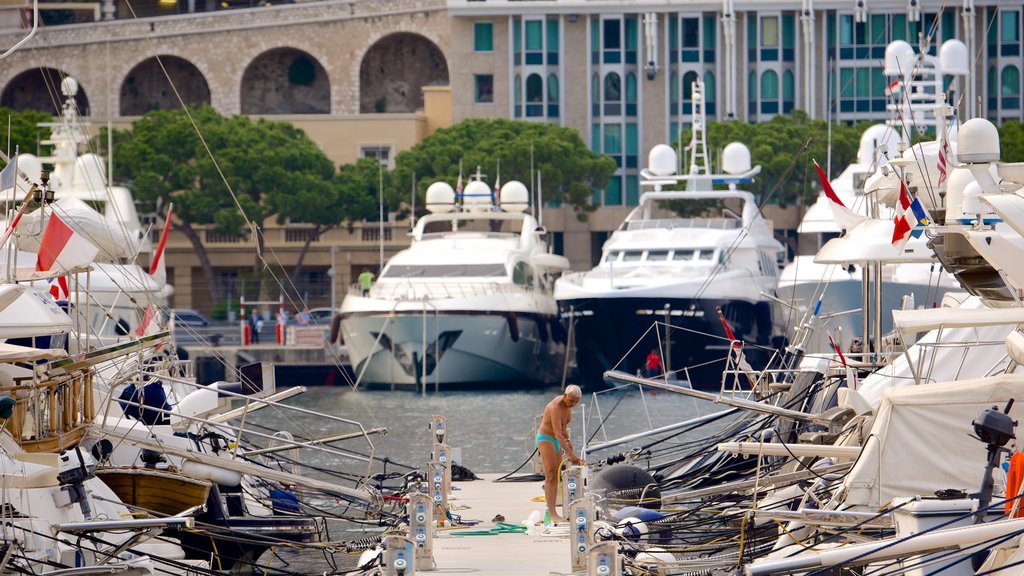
x: 603, y: 560
x: 421, y: 529
x: 439, y: 468
x: 574, y: 480
x: 399, y: 558
x: 581, y: 518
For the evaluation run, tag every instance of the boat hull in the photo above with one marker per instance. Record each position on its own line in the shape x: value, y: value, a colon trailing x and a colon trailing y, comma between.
x: 462, y: 348
x: 619, y: 333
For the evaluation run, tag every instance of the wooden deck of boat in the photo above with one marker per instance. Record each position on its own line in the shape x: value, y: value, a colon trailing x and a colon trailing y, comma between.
x: 499, y: 554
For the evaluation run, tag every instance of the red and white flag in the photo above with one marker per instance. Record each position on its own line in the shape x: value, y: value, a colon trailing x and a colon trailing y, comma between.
x: 901, y: 228
x: 59, y: 287
x: 62, y: 249
x: 844, y: 217
x: 943, y: 157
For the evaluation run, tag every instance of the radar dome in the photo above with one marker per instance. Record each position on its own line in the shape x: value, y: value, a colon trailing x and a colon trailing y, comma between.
x: 899, y: 58
x: 514, y: 196
x: 978, y: 142
x: 662, y: 161
x: 69, y: 86
x: 735, y: 158
x: 873, y: 140
x: 476, y: 196
x: 31, y: 166
x: 89, y: 171
x: 440, y: 198
x: 953, y: 57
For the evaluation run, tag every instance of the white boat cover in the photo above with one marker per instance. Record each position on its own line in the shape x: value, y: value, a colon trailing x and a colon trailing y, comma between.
x: 913, y: 321
x: 15, y: 353
x: 871, y: 241
x: 921, y: 439
x: 966, y: 350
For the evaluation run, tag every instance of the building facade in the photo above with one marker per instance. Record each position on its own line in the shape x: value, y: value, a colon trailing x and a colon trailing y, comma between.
x: 620, y: 72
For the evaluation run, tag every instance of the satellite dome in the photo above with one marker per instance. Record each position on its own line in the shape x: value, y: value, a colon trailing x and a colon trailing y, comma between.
x: 900, y: 58
x: 476, y: 196
x: 69, y: 86
x: 662, y: 160
x: 978, y: 142
x: 514, y: 196
x: 736, y: 158
x: 440, y: 198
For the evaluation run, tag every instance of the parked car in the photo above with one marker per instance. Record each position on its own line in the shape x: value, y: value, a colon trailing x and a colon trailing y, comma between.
x: 322, y: 316
x: 186, y: 317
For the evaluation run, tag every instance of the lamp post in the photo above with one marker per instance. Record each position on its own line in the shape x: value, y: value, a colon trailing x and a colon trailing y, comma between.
x: 333, y: 273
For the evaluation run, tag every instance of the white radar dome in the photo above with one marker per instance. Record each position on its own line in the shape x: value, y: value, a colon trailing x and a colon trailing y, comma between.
x: 514, y: 196
x: 953, y: 57
x: 873, y: 140
x: 735, y: 158
x: 440, y: 198
x: 978, y: 142
x: 69, y: 86
x: 89, y: 171
x: 662, y: 160
x: 899, y: 58
x: 31, y: 166
x: 476, y: 196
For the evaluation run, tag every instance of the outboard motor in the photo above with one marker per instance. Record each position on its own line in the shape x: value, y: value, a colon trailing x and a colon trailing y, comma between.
x: 995, y: 429
x: 73, y: 469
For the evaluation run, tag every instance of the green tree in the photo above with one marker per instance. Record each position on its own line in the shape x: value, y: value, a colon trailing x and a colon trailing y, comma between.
x: 1011, y: 141
x: 778, y: 144
x: 570, y: 171
x: 24, y: 131
x: 262, y: 169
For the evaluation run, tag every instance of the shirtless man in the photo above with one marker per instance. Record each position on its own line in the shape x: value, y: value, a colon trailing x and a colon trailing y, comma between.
x: 552, y: 439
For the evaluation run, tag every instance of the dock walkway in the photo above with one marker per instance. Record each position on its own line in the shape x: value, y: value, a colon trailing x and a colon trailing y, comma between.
x: 499, y: 554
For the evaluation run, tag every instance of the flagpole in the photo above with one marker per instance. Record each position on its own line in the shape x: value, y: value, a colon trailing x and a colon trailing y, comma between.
x: 380, y: 196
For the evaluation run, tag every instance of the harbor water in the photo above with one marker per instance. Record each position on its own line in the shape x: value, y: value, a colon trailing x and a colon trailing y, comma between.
x: 492, y: 429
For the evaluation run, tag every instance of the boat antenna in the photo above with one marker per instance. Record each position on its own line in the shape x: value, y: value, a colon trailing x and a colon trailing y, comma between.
x: 540, y: 201
x: 380, y: 222
x: 413, y: 199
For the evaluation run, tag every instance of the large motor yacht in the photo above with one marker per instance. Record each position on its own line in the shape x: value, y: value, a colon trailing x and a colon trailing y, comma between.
x: 469, y: 302
x: 673, y: 284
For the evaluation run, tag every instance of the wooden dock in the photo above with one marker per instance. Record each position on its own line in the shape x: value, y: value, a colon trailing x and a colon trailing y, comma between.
x: 542, y: 554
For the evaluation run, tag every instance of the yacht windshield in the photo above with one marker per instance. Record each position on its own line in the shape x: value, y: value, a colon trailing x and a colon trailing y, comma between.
x: 445, y: 271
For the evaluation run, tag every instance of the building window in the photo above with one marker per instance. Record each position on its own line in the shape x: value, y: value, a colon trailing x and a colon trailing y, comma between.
x: 518, y: 93
x: 484, y: 88
x: 552, y: 95
x: 534, y: 96
x: 1010, y: 88
x: 483, y: 36
x: 612, y: 94
x: 381, y: 153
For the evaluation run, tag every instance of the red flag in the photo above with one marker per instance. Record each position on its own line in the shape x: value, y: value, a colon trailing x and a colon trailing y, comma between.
x: 943, y: 155
x: 838, y: 351
x: 62, y: 249
x: 901, y: 228
x: 844, y: 217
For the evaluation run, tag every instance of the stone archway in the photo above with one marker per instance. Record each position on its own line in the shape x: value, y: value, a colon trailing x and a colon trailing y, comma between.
x: 39, y: 89
x: 285, y: 81
x: 146, y: 87
x: 395, y: 70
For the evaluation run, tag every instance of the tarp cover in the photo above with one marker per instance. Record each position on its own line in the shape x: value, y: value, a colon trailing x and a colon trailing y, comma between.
x: 922, y: 440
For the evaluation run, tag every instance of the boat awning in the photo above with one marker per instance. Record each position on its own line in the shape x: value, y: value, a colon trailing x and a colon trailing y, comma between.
x: 15, y: 353
x: 550, y: 261
x: 871, y: 241
x: 913, y: 321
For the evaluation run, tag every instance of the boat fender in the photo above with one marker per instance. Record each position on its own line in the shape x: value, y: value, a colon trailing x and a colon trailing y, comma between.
x: 368, y: 557
x: 215, y: 474
x: 513, y: 326
x: 656, y: 556
x: 631, y: 528
x: 626, y: 483
x: 335, y: 336
x: 284, y: 501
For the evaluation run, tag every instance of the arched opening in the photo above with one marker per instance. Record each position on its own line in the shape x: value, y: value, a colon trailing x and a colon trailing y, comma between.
x: 395, y: 70
x: 39, y: 89
x: 285, y: 81
x: 146, y: 87
x: 769, y: 85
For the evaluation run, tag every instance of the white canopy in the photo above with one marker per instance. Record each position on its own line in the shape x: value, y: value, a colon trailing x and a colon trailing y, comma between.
x: 871, y: 241
x: 15, y: 353
x: 913, y: 321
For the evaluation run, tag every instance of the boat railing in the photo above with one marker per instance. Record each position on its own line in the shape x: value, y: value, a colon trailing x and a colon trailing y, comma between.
x: 50, y: 415
x: 671, y: 223
x: 442, y: 289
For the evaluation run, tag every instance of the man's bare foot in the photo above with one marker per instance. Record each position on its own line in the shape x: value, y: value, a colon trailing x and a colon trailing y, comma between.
x: 556, y: 519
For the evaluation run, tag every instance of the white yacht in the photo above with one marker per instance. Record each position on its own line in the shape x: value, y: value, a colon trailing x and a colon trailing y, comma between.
x: 833, y: 291
x: 470, y: 301
x: 662, y: 279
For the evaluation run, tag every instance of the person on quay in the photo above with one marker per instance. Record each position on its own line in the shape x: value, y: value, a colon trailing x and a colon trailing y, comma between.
x: 255, y: 323
x: 652, y: 364
x: 553, y: 440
